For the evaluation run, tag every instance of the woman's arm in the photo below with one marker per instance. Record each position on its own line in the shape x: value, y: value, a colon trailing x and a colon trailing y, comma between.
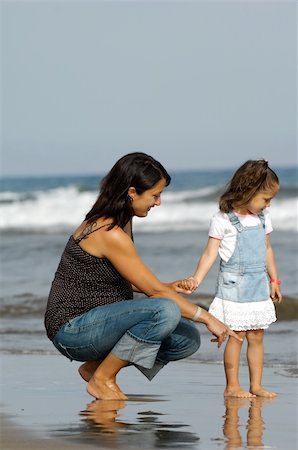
x: 135, y: 289
x: 272, y: 271
x: 120, y: 250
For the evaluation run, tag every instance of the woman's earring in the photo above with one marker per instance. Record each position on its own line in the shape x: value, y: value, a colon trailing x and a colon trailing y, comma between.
x: 130, y: 198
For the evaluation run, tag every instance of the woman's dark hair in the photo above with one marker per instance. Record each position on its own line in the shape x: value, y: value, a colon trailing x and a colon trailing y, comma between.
x: 136, y: 170
x: 253, y: 176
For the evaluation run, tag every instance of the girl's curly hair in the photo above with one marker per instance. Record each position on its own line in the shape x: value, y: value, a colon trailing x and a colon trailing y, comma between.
x: 253, y: 176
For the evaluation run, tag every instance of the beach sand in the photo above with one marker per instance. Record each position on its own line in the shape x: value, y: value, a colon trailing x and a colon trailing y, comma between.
x: 44, y: 405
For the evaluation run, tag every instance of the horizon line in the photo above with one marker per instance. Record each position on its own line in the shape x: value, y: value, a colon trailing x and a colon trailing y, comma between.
x: 92, y: 174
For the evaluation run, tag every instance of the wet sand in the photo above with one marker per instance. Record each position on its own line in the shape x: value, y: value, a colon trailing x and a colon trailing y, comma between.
x: 44, y: 405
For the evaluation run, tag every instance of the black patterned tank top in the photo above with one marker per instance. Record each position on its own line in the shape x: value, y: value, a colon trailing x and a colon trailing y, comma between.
x: 82, y: 282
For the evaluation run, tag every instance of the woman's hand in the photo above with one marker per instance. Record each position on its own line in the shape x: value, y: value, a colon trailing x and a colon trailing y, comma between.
x: 219, y: 330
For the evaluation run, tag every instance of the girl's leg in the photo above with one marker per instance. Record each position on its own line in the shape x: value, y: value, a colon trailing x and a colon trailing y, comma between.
x: 231, y: 363
x: 255, y: 424
x: 255, y: 359
x: 232, y: 421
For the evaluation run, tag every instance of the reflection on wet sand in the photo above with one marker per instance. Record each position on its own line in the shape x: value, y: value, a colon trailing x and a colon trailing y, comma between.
x: 103, y: 414
x: 255, y: 423
x: 139, y: 423
x: 106, y: 424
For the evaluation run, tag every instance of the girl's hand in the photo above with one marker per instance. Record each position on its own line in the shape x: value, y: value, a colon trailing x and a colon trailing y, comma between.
x: 276, y: 294
x: 188, y: 284
x: 220, y: 330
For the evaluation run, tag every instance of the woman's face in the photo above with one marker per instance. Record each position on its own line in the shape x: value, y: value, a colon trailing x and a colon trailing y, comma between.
x: 142, y: 203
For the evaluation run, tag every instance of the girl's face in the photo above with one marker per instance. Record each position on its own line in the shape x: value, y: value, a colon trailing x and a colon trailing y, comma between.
x: 142, y: 203
x: 261, y: 200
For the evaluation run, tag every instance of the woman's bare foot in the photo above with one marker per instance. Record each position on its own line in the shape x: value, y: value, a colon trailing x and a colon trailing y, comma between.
x: 105, y: 389
x: 262, y: 392
x: 87, y: 369
x: 238, y: 392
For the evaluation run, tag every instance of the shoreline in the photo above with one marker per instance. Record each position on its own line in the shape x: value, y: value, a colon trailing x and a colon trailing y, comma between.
x: 183, y: 407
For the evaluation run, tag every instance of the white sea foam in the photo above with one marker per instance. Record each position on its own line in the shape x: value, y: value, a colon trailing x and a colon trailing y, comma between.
x: 56, y: 208
x: 64, y: 208
x: 173, y: 197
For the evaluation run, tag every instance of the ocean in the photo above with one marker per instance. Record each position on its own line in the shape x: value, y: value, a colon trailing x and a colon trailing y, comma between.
x: 37, y: 214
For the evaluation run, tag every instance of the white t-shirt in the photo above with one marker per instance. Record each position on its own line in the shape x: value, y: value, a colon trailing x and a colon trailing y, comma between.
x: 221, y: 228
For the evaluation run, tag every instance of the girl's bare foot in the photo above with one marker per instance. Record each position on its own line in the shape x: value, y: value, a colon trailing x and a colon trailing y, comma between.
x: 105, y: 389
x: 87, y: 369
x: 261, y: 392
x: 238, y: 392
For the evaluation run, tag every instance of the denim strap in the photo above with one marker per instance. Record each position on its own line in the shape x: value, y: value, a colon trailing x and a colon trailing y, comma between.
x: 262, y: 218
x: 235, y: 221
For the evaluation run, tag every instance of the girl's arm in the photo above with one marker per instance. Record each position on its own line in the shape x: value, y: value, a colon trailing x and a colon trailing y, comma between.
x: 207, y: 259
x: 272, y: 272
x: 121, y: 252
x: 205, y: 263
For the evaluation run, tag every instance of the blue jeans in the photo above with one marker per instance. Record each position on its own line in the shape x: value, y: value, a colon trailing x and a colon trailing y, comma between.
x: 148, y: 333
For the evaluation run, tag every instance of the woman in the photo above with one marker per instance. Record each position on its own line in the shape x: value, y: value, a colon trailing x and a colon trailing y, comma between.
x: 91, y: 315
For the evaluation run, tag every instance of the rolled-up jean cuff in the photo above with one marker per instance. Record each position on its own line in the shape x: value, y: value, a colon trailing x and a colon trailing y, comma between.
x: 150, y: 373
x: 136, y: 351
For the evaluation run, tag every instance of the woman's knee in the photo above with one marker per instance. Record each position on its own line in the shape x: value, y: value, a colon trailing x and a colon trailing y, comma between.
x: 194, y: 337
x: 187, y: 337
x: 197, y: 340
x: 169, y: 312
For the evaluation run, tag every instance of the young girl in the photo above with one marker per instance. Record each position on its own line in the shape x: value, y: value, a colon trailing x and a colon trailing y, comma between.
x: 239, y: 232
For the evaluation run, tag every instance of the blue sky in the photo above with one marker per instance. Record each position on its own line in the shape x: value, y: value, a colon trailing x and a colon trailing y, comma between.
x: 196, y: 84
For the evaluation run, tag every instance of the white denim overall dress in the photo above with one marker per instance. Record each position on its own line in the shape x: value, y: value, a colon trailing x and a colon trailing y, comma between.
x: 243, y: 298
